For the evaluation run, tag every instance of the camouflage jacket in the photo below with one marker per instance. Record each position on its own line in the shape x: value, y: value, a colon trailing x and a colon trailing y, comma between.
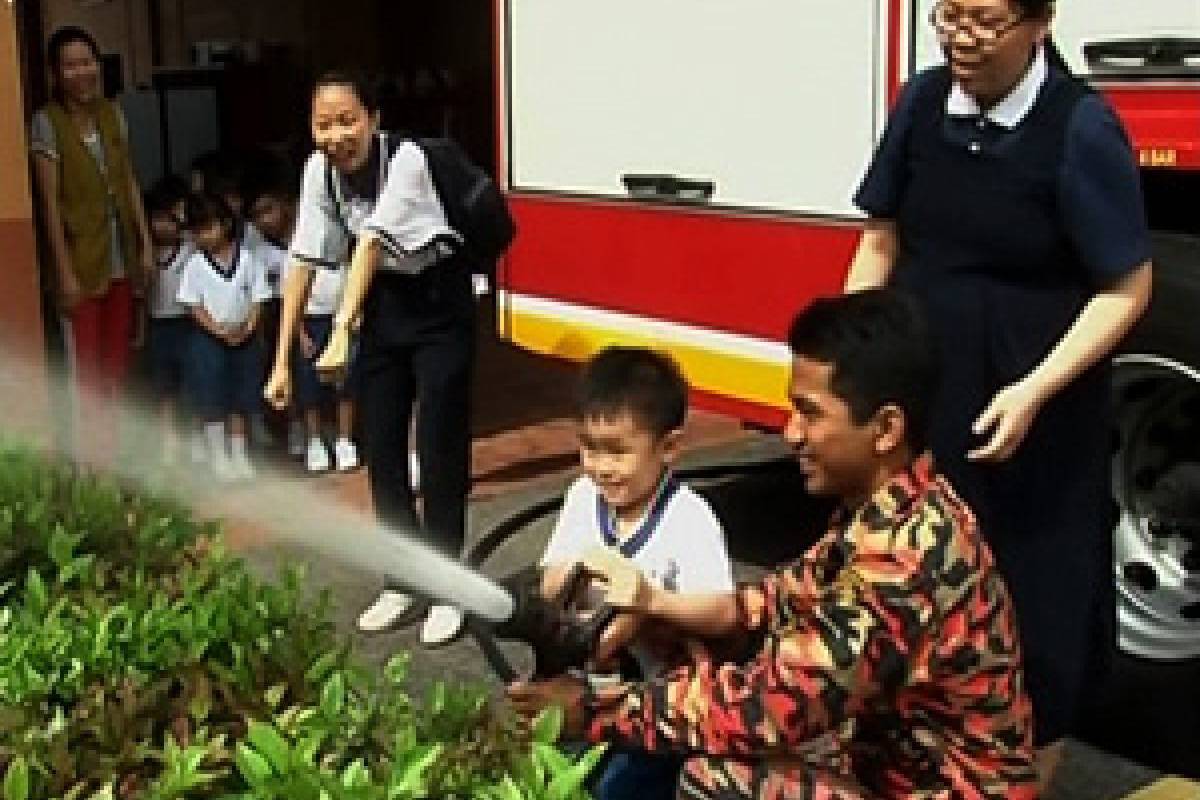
x: 892, y: 642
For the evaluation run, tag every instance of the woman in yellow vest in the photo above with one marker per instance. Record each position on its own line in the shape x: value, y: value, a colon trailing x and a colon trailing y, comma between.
x: 96, y: 226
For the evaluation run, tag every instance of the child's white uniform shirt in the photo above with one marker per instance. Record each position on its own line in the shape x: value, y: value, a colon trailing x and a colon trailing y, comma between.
x: 274, y: 259
x: 164, y: 296
x: 678, y: 545
x: 226, y: 292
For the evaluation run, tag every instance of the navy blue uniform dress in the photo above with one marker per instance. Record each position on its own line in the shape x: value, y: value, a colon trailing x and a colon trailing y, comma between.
x: 1004, y: 234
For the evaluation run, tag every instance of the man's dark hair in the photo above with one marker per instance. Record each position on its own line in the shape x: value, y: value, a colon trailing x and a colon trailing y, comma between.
x: 881, y: 351
x: 647, y: 384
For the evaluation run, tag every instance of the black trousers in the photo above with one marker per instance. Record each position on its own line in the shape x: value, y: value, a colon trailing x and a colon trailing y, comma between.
x: 418, y: 350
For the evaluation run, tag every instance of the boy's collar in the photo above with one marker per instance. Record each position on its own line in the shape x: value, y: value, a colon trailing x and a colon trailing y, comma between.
x: 606, y: 517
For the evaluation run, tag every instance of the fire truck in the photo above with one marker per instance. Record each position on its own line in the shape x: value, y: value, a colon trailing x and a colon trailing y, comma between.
x: 681, y: 172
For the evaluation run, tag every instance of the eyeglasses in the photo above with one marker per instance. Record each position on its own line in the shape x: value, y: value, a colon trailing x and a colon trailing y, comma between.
x: 948, y: 20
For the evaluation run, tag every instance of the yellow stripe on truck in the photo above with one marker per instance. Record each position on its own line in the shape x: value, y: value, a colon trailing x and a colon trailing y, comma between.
x: 727, y: 374
x: 1168, y: 788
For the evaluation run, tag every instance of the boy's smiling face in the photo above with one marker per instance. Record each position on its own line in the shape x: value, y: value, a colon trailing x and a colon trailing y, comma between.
x: 625, y: 459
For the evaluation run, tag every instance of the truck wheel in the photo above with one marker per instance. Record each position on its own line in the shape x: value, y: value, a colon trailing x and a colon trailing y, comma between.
x: 1156, y: 463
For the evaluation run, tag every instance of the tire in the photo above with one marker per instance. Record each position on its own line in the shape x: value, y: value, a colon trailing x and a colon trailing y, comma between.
x: 1156, y: 463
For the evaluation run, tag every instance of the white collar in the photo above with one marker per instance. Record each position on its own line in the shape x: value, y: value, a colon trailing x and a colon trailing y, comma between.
x: 1010, y: 111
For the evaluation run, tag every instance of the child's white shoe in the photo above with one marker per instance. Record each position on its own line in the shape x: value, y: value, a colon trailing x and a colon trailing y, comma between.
x: 199, y: 448
x: 345, y: 455
x: 241, y: 467
x: 223, y: 468
x: 317, y: 457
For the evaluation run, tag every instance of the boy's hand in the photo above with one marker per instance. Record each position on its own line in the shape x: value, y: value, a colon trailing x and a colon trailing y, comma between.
x: 626, y: 587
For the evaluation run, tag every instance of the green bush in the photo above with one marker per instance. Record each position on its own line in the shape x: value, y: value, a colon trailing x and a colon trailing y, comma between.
x: 138, y: 659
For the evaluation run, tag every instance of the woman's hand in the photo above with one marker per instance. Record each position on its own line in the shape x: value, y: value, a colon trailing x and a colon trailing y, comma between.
x: 1006, y: 421
x: 278, y: 391
x: 331, y: 366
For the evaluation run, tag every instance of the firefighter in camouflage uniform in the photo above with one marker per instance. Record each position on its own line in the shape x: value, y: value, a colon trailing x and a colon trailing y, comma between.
x: 885, y: 661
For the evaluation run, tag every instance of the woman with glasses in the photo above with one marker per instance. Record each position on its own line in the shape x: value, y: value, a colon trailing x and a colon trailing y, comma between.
x: 1004, y: 194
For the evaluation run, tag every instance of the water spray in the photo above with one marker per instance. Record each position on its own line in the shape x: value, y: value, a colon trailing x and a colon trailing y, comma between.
x: 288, y: 510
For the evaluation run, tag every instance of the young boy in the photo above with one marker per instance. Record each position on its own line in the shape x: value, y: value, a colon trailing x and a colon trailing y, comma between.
x: 169, y: 323
x: 223, y: 287
x: 271, y: 207
x: 632, y: 406
x: 887, y: 663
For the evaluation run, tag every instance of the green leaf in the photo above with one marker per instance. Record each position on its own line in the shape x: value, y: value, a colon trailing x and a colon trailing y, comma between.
x: 16, y: 780
x: 548, y: 725
x: 411, y: 777
x: 269, y: 743
x: 274, y: 695
x: 567, y: 782
x: 333, y: 695
x: 356, y: 775
x: 254, y: 768
x: 35, y: 590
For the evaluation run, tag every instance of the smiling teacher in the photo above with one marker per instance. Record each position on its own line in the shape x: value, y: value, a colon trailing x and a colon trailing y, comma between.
x: 1004, y: 194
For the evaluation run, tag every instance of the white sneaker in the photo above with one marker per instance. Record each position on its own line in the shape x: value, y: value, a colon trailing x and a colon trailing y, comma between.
x: 441, y: 625
x: 317, y: 457
x: 223, y: 468
x: 242, y: 469
x: 170, y: 451
x: 345, y: 455
x: 386, y: 612
x: 296, y: 441
x: 414, y: 471
x: 199, y: 448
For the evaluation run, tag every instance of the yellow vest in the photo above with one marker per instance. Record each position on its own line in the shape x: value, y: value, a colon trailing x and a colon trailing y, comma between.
x: 83, y: 197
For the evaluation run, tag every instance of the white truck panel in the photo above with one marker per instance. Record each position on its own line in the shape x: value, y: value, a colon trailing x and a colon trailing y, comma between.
x: 777, y: 101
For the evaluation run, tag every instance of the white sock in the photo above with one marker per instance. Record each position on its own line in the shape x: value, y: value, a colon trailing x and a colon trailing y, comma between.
x: 237, y: 445
x: 214, y: 432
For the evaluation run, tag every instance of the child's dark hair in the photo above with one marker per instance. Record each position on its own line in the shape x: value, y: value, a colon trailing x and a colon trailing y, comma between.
x: 222, y: 172
x: 881, y: 351
x: 165, y: 195
x: 205, y: 208
x: 647, y: 384
x: 269, y: 174
x: 364, y: 87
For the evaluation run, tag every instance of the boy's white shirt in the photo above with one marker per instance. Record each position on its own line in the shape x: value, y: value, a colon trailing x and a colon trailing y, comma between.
x: 685, y: 553
x: 274, y: 259
x: 164, y: 295
x: 228, y: 301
